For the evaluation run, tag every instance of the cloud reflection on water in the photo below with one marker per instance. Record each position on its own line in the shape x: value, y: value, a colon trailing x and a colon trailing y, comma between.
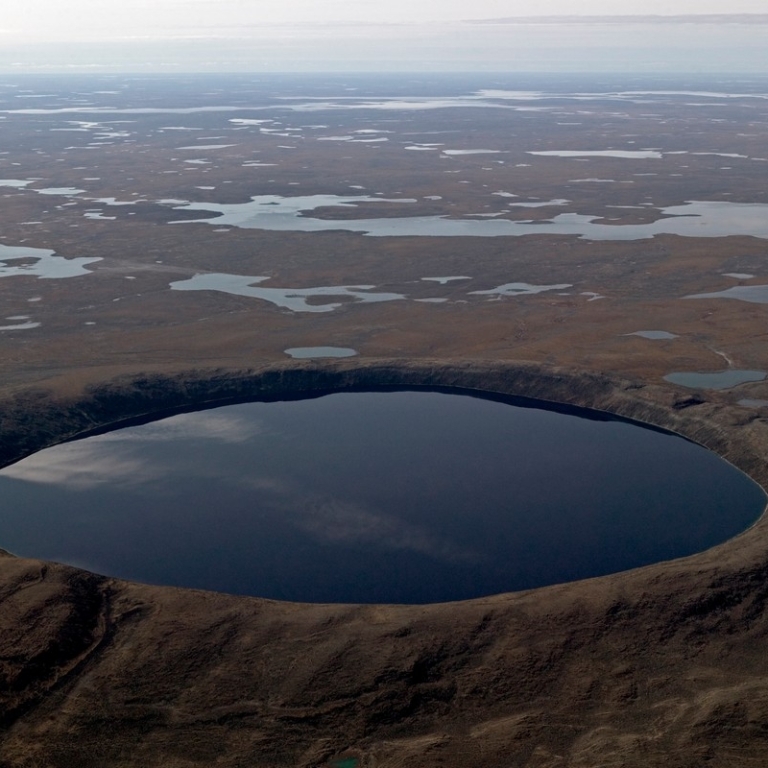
x: 337, y: 521
x: 83, y: 464
x: 80, y: 466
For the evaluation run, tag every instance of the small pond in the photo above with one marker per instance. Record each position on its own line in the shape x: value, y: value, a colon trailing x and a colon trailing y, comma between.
x: 407, y: 496
x: 730, y: 377
x: 310, y: 353
x: 653, y: 335
x: 21, y: 261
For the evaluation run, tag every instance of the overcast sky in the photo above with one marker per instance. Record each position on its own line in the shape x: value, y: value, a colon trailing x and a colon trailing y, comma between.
x: 89, y: 19
x: 39, y: 35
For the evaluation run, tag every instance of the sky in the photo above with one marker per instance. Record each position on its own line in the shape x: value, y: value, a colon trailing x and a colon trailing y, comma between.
x: 263, y: 35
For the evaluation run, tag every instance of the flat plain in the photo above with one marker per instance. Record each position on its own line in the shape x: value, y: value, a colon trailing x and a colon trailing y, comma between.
x: 164, y: 241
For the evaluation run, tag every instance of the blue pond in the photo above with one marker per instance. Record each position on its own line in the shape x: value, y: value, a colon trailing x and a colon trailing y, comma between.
x: 408, y: 497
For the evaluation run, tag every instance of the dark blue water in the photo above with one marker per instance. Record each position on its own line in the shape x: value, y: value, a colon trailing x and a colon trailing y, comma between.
x: 405, y: 497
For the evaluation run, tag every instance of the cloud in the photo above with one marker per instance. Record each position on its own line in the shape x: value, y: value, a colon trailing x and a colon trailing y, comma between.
x: 300, y: 35
x: 79, y: 466
x: 337, y: 521
x: 206, y: 425
x: 85, y: 464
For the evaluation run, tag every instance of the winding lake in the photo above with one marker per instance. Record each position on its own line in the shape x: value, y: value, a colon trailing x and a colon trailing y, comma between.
x: 408, y: 496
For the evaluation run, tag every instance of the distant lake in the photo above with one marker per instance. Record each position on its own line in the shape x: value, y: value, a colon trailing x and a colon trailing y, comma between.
x: 731, y: 377
x: 407, y: 496
x: 695, y: 218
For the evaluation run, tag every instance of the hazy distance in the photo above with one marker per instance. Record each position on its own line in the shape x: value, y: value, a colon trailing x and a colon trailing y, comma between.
x: 398, y: 35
